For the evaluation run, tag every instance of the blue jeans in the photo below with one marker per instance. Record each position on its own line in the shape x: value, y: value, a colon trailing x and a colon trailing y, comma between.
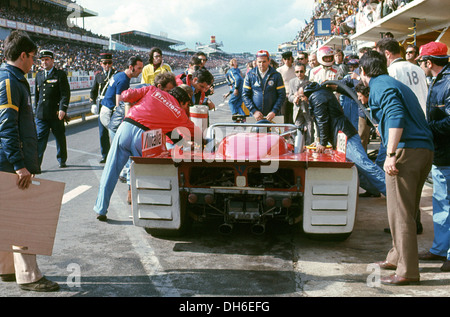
x: 371, y: 176
x: 441, y: 210
x: 235, y: 104
x: 127, y: 142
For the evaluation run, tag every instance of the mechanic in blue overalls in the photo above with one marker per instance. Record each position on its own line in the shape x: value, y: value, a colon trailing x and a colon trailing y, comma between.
x: 236, y: 83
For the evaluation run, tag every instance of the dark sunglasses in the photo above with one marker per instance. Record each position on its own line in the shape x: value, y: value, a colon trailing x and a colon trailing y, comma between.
x: 107, y: 62
x: 299, y: 71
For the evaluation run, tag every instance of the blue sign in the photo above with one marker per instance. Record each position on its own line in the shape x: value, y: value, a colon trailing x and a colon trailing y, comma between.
x: 301, y: 46
x: 322, y: 27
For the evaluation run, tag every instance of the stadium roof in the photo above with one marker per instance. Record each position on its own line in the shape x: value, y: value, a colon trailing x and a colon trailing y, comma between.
x: 84, y: 13
x: 431, y: 17
x: 149, y: 36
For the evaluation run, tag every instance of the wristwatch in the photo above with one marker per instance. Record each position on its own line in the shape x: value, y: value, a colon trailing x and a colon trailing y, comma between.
x: 391, y: 154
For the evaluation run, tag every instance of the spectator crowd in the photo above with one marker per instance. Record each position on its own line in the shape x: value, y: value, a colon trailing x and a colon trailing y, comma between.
x: 347, y: 15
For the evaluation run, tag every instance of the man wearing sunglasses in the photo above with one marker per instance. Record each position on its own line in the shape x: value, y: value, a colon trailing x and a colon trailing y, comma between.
x: 301, y: 114
x: 98, y: 92
x: 411, y: 54
x: 302, y: 57
x: 154, y: 67
x: 264, y: 91
x: 433, y: 60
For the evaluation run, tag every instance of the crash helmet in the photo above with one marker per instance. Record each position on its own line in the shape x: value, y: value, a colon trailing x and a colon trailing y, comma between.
x: 323, y: 52
x: 352, y: 60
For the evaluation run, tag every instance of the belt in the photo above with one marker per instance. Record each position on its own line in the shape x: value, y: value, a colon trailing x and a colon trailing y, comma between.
x: 137, y: 124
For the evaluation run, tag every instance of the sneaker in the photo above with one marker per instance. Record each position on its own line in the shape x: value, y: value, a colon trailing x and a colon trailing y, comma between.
x: 43, y: 285
x: 102, y: 218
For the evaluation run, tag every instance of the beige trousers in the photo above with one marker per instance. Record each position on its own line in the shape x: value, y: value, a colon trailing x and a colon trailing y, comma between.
x: 364, y: 132
x: 403, y: 193
x: 23, y: 265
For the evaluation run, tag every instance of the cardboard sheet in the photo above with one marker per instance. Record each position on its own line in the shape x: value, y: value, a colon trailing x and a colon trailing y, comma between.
x: 29, y: 218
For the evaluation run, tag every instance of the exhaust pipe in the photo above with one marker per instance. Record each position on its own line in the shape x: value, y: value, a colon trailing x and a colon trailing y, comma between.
x: 226, y: 228
x: 259, y: 228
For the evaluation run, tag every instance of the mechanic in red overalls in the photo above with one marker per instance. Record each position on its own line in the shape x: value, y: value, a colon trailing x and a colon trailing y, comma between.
x: 156, y: 109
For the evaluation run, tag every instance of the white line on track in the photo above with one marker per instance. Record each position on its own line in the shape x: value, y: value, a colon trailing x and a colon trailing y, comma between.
x: 76, y: 151
x: 160, y: 279
x: 75, y: 193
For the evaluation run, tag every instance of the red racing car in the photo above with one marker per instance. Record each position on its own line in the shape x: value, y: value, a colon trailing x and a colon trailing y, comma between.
x: 244, y: 173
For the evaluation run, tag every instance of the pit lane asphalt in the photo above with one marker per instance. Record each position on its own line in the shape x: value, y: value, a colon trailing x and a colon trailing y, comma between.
x: 117, y: 259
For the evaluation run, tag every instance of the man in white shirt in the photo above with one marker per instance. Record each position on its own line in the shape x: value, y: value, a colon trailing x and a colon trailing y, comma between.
x: 409, y: 74
x: 288, y: 73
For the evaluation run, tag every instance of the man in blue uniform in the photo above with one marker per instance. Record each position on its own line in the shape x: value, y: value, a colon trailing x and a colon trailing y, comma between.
x: 264, y: 90
x: 51, y: 102
x: 98, y: 91
x: 236, y: 82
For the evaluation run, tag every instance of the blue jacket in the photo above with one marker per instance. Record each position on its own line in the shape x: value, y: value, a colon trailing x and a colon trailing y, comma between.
x: 438, y: 116
x: 235, y: 81
x: 394, y: 105
x: 18, y: 137
x: 264, y: 95
x: 52, y: 94
x: 350, y: 107
x: 328, y: 114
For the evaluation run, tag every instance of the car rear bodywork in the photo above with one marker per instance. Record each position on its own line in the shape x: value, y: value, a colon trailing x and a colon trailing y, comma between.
x: 244, y: 173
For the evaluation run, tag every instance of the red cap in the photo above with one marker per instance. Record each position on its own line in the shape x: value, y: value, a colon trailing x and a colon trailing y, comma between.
x: 433, y: 49
x: 263, y: 53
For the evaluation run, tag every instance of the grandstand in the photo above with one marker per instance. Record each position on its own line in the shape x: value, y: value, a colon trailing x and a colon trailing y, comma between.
x: 140, y: 41
x: 77, y: 50
x: 48, y: 20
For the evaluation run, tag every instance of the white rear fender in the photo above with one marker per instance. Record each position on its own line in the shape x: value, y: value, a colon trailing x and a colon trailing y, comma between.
x: 330, y: 200
x: 155, y: 196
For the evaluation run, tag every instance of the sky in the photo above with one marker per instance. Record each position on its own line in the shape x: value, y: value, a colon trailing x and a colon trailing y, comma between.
x: 242, y: 25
